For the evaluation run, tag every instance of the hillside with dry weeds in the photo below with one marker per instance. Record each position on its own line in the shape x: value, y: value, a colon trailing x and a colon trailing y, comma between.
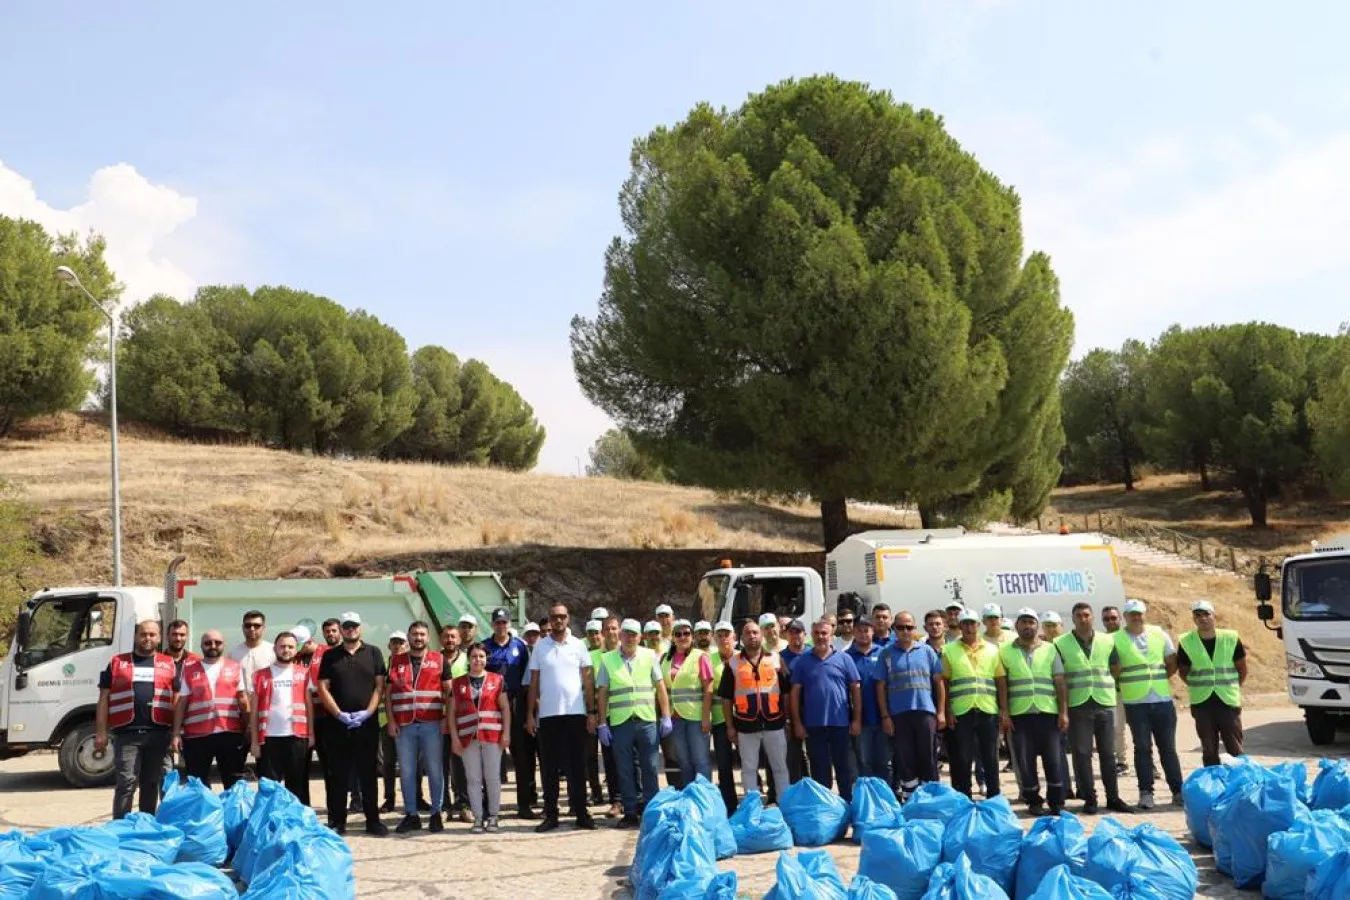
x: 243, y: 511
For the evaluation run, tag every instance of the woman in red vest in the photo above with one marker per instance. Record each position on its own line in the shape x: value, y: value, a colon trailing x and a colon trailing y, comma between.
x: 481, y: 730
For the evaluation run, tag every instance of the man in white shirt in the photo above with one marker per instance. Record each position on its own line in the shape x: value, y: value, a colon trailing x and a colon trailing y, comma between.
x: 562, y: 715
x: 254, y: 653
x: 283, y: 711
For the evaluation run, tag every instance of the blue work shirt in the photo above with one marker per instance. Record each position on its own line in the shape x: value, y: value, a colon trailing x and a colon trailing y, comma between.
x: 869, y: 673
x: 508, y: 660
x: 909, y: 677
x: 787, y: 658
x: 825, y: 687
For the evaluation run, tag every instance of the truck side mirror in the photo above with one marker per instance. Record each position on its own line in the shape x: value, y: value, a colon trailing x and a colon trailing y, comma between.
x: 21, y: 631
x: 1265, y: 612
x: 1261, y: 582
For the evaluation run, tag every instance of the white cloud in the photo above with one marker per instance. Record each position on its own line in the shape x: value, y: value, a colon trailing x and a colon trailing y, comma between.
x: 134, y: 215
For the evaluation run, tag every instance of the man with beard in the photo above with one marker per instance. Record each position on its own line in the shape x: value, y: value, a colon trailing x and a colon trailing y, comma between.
x: 175, y: 645
x: 416, y: 716
x: 282, y: 713
x: 609, y: 640
x: 351, y: 681
x: 562, y: 704
x: 509, y: 657
x: 456, y: 800
x: 135, y: 700
x: 796, y: 750
x: 210, y: 714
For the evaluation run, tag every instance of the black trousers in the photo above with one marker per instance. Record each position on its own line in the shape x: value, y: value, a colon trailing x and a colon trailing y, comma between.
x: 975, y: 736
x: 523, y: 750
x: 1037, y: 735
x: 1091, y: 723
x: 389, y: 769
x: 593, y: 767
x: 562, y: 747
x: 352, y: 751
x: 726, y: 766
x: 914, y: 749
x: 286, y: 759
x: 611, y: 775
x: 225, y: 748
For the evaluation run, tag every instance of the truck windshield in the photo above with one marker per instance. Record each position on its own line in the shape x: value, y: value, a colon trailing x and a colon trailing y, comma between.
x: 1317, y: 589
x: 711, y: 590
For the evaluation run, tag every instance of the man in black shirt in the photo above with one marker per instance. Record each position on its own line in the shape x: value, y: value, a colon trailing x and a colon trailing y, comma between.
x: 135, y: 701
x: 351, y: 682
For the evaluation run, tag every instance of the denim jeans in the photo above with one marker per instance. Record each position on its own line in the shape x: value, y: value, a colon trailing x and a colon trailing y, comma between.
x: 874, y: 754
x: 421, y: 739
x: 691, y: 747
x: 1154, y: 724
x: 638, y: 741
x: 829, y: 747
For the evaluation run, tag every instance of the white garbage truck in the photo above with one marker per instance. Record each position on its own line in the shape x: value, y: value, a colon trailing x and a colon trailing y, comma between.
x: 923, y: 569
x: 1314, y: 596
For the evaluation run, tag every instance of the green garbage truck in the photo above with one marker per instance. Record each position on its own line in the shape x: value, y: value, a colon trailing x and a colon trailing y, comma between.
x: 66, y: 636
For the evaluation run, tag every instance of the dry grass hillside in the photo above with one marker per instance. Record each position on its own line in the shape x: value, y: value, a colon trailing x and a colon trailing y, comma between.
x: 241, y: 511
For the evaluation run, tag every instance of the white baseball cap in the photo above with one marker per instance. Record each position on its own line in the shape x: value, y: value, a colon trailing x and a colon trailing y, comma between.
x: 1202, y: 606
x: 600, y: 614
x: 467, y: 619
x: 652, y: 626
x: 1026, y: 612
x: 1050, y: 617
x: 993, y: 611
x: 724, y: 625
x: 768, y: 619
x: 682, y: 623
x: 1135, y: 606
x: 593, y: 626
x: 531, y: 628
x: 665, y: 609
x: 350, y: 618
x: 301, y: 634
x: 967, y: 615
x: 398, y: 636
x: 702, y: 625
x: 633, y: 626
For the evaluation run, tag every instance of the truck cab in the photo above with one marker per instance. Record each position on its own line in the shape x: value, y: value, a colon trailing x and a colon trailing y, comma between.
x: 742, y: 594
x: 49, y: 679
x: 1314, y: 598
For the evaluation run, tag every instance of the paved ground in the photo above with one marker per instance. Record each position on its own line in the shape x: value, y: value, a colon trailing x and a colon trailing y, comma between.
x: 577, y: 864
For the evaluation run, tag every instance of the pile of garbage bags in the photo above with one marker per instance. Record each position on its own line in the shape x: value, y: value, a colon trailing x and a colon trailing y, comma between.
x: 938, y: 846
x: 275, y: 847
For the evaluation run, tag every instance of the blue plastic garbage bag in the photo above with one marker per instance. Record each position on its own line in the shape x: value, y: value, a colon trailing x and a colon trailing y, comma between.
x: 273, y: 809
x: 934, y: 800
x: 1114, y: 853
x: 1136, y: 886
x: 237, y: 802
x: 290, y: 877
x: 711, y: 885
x: 1331, y: 879
x: 1059, y: 883
x: 811, y: 875
x: 73, y: 878
x: 139, y: 833
x: 1243, y: 773
x: 816, y: 816
x: 758, y: 829
x: 1051, y: 842
x: 326, y: 854
x: 713, y: 810
x: 181, y: 881
x: 873, y: 806
x: 197, y: 812
x: 1331, y: 787
x: 902, y: 858
x: 1293, y: 855
x: 82, y: 842
x: 959, y: 881
x: 1246, y: 816
x: 864, y: 888
x: 990, y: 835
x: 1200, y: 792
x: 691, y: 860
x: 1296, y: 772
x: 18, y: 875
x: 669, y: 851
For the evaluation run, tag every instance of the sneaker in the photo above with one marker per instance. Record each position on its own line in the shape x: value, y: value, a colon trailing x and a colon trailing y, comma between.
x: 1177, y: 799
x: 548, y: 824
x: 1120, y: 806
x: 465, y: 816
x: 1145, y: 799
x: 1121, y: 768
x: 615, y: 811
x: 478, y: 827
x: 628, y: 822
x: 492, y: 825
x: 435, y: 826
x: 1089, y: 808
x: 377, y: 829
x: 409, y: 823
x: 586, y: 823
x: 1036, y: 809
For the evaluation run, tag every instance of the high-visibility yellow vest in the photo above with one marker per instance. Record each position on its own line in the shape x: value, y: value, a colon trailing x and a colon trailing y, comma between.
x: 631, y: 694
x: 972, y: 682
x: 686, y: 688
x: 1141, y: 673
x: 1031, y: 688
x: 1215, y: 676
x: 718, y: 664
x: 1088, y: 677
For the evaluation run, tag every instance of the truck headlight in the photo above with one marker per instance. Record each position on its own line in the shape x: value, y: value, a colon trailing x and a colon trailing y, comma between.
x: 1301, y: 668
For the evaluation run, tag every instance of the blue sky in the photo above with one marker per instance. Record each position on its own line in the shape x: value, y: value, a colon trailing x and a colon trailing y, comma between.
x: 454, y: 169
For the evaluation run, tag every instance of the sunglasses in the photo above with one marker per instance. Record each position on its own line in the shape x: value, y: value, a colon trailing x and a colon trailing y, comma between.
x: 904, y: 628
x: 845, y: 621
x: 213, y: 643
x: 351, y: 624
x: 682, y: 633
x: 252, y: 625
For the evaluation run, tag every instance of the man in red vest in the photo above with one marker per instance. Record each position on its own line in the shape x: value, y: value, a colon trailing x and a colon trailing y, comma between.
x: 209, y: 717
x: 135, y: 701
x: 415, y: 708
x: 282, y: 712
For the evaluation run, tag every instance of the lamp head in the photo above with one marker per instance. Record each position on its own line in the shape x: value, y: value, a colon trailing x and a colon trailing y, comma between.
x: 67, y: 274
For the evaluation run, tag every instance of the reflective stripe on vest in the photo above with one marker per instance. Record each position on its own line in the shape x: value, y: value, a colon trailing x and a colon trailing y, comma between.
x: 1216, y: 676
x: 262, y: 691
x: 481, y: 722
x: 630, y: 693
x: 1141, y: 673
x: 209, y: 712
x: 757, y: 695
x: 718, y: 665
x: 972, y: 683
x: 418, y: 700
x: 1031, y: 688
x: 122, y: 691
x: 1088, y: 678
x: 686, y: 688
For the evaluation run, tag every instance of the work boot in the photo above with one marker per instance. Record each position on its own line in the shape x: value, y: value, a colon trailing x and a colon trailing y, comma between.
x: 435, y: 826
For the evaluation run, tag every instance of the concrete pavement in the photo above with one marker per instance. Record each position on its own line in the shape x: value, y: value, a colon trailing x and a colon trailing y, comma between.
x: 568, y: 863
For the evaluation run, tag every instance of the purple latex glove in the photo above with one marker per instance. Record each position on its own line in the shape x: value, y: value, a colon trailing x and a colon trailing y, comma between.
x: 667, y: 726
x: 605, y: 735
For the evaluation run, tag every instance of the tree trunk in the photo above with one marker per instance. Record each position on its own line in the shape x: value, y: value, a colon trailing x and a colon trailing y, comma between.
x: 1255, y: 495
x: 1127, y: 468
x: 928, y: 517
x: 833, y: 520
x: 1204, y: 476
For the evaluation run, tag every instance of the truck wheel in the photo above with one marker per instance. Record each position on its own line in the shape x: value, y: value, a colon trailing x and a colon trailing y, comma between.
x: 1321, y: 727
x: 78, y: 764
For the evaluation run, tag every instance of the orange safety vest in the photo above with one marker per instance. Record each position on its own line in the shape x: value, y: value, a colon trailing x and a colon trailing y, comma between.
x: 262, y: 692
x: 209, y: 713
x: 319, y: 711
x: 122, y: 694
x: 484, y: 721
x: 757, y: 693
x: 421, y: 700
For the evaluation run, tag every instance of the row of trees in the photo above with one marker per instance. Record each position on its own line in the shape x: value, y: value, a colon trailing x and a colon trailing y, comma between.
x: 276, y: 365
x: 1262, y: 404
x: 822, y: 293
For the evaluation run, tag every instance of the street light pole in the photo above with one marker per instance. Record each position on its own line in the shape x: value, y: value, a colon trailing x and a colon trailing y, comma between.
x: 66, y: 274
